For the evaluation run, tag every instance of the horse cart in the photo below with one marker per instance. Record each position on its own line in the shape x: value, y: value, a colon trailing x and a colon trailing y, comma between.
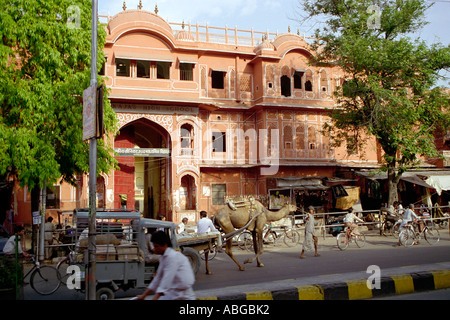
x: 123, y: 258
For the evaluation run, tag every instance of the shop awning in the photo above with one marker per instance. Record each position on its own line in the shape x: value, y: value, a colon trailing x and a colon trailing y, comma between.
x: 301, y: 183
x: 439, y: 182
x: 413, y: 178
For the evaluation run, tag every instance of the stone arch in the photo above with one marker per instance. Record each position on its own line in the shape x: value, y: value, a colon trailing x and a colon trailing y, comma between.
x: 141, y: 181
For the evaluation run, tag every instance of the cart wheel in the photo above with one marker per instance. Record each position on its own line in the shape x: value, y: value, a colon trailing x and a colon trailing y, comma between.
x: 104, y: 293
x: 194, y: 258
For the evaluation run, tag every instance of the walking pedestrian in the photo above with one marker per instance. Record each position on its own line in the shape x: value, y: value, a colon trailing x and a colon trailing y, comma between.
x: 311, y: 239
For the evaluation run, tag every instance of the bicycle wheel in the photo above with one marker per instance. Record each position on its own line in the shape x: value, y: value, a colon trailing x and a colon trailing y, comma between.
x: 248, y: 242
x: 45, y: 280
x: 386, y: 228
x: 342, y: 241
x: 277, y: 238
x: 62, y: 270
x: 245, y: 240
x: 395, y: 230
x: 211, y: 255
x: 291, y: 238
x: 360, y: 240
x: 406, y: 238
x: 432, y: 235
x: 270, y: 237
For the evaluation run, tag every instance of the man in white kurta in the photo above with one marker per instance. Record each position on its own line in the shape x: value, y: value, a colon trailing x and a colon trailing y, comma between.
x: 310, y: 242
x: 174, y: 278
x: 205, y: 225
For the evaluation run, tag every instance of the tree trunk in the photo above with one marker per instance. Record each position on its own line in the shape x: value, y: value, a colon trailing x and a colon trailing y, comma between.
x: 393, y: 179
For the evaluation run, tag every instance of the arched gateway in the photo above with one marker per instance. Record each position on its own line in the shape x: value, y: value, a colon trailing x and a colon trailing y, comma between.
x: 143, y: 152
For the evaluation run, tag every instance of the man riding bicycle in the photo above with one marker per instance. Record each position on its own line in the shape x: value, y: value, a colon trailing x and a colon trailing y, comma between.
x: 408, y: 217
x: 349, y: 221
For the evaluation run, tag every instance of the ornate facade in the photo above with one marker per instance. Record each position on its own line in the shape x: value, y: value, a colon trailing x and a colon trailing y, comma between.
x: 233, y: 110
x: 208, y: 113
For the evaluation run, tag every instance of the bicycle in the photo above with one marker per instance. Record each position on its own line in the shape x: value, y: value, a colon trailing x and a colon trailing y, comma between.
x: 289, y: 236
x: 44, y: 279
x: 390, y: 226
x: 64, y: 263
x: 344, y: 238
x: 245, y: 241
x: 270, y: 236
x: 409, y: 236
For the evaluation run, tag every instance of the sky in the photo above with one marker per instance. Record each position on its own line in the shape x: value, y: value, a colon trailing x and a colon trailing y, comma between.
x: 262, y: 15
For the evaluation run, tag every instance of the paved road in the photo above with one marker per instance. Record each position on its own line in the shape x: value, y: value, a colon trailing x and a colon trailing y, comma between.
x: 283, y: 265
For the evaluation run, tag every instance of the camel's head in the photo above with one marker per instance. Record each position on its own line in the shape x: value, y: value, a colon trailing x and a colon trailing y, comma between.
x: 292, y: 208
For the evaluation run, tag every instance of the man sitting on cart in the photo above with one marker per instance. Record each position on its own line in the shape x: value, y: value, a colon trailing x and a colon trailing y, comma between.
x: 205, y: 225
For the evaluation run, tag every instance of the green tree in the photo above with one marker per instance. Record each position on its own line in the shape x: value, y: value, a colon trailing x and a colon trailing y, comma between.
x: 389, y: 91
x: 44, y: 67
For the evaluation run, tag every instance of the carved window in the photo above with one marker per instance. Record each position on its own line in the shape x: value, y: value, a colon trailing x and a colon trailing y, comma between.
x: 187, y: 139
x: 309, y: 81
x: 218, y: 193
x: 323, y: 81
x: 300, y: 138
x: 312, y: 139
x: 287, y: 138
x: 246, y: 83
x: 298, y: 78
x: 218, y: 79
x: 219, y: 141
x: 285, y: 82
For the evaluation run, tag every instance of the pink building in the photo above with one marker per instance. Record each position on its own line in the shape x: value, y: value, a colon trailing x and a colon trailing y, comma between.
x: 208, y: 113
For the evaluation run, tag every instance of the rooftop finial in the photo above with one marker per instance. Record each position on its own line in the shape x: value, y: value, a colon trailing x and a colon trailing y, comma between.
x: 124, y: 6
x: 140, y: 5
x: 156, y: 9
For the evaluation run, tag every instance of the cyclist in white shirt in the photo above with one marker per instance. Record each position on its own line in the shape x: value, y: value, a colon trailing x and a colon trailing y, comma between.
x: 408, y: 216
x: 349, y: 221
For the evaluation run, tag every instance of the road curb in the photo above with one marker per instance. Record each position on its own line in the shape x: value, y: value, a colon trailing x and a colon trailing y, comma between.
x: 349, y: 290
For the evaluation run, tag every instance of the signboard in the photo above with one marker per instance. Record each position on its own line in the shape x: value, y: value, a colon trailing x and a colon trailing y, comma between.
x: 206, y: 191
x: 142, y: 152
x: 37, y: 219
x: 279, y: 198
x: 89, y: 113
x: 154, y: 109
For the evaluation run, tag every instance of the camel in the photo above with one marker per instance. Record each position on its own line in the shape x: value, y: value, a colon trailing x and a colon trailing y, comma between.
x: 253, y: 216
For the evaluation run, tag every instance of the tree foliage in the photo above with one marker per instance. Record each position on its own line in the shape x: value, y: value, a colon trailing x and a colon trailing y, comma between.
x: 389, y: 89
x: 44, y: 68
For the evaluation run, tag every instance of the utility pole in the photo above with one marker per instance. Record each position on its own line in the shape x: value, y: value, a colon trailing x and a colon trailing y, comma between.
x: 91, y: 282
